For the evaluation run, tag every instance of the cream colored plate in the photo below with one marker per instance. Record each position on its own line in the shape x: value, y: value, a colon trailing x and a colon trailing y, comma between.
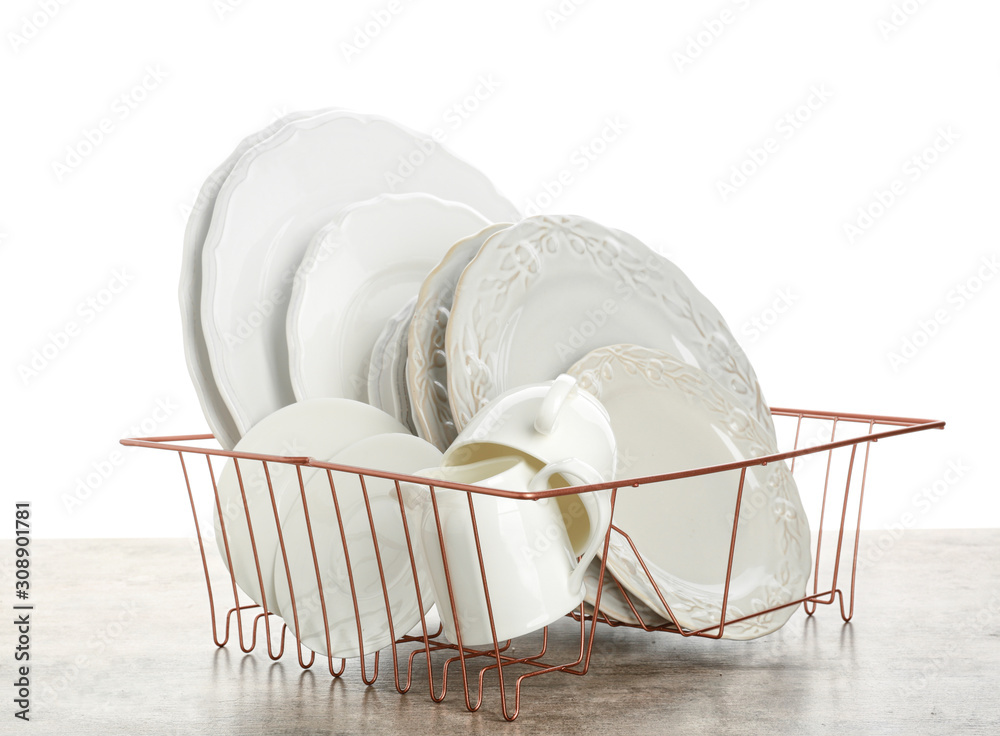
x: 426, y: 363
x: 543, y: 293
x: 669, y: 416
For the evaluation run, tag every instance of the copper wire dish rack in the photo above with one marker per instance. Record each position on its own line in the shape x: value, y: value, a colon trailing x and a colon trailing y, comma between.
x: 842, y: 498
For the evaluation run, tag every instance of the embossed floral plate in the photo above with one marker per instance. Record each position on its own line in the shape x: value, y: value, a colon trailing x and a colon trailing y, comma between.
x: 543, y: 293
x: 669, y: 416
x: 426, y: 364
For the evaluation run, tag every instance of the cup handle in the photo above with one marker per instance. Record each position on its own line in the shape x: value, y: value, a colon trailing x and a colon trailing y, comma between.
x: 553, y: 403
x: 596, y: 504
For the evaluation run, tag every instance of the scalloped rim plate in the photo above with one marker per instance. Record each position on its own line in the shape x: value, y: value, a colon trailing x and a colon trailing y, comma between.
x: 199, y: 220
x: 543, y: 293
x: 358, y: 272
x: 669, y: 416
x: 426, y: 362
x: 278, y: 194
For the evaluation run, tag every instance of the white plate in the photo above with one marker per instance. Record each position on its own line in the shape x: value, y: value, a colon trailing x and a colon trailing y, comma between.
x: 199, y: 366
x: 387, y: 368
x: 396, y: 453
x: 357, y: 273
x: 426, y: 364
x: 276, y: 198
x: 669, y: 416
x: 541, y: 294
x: 317, y: 428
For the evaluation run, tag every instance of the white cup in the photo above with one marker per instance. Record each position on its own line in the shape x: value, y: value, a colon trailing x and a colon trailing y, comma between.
x: 543, y: 423
x: 548, y: 421
x: 532, y: 573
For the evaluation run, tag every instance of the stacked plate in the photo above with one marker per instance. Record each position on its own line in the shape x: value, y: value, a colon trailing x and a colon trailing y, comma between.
x: 335, y: 260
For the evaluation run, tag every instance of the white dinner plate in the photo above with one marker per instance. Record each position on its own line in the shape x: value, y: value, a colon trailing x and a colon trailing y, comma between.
x: 317, y: 428
x: 275, y: 199
x: 396, y: 453
x: 669, y: 416
x: 426, y: 363
x: 387, y: 368
x: 543, y: 293
x: 219, y: 418
x: 357, y: 273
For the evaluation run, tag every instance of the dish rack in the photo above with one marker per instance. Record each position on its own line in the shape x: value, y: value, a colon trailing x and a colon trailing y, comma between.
x: 839, y: 466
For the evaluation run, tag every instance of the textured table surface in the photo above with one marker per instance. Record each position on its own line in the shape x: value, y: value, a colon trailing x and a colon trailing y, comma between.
x: 121, y: 643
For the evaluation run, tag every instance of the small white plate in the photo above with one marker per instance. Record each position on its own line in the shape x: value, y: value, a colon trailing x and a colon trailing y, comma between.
x: 541, y: 294
x: 395, y: 453
x: 275, y: 199
x: 387, y: 368
x: 358, y: 272
x: 426, y: 363
x: 669, y: 416
x: 317, y: 428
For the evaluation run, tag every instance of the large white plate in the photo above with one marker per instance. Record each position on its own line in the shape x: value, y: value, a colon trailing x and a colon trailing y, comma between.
x: 199, y: 366
x: 541, y: 294
x: 426, y: 363
x: 357, y: 273
x: 668, y: 416
x: 275, y: 199
x: 317, y: 428
x: 396, y: 453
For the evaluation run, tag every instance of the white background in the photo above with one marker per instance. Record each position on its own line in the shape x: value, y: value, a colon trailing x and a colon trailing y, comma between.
x: 695, y: 85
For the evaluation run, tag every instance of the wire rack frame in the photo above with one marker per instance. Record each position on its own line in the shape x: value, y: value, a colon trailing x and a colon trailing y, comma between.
x: 474, y: 664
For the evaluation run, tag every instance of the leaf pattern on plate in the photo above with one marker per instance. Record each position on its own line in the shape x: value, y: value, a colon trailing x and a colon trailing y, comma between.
x: 514, y: 261
x: 694, y: 607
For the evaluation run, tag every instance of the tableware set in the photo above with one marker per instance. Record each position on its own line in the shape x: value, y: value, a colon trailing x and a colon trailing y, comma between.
x: 431, y: 408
